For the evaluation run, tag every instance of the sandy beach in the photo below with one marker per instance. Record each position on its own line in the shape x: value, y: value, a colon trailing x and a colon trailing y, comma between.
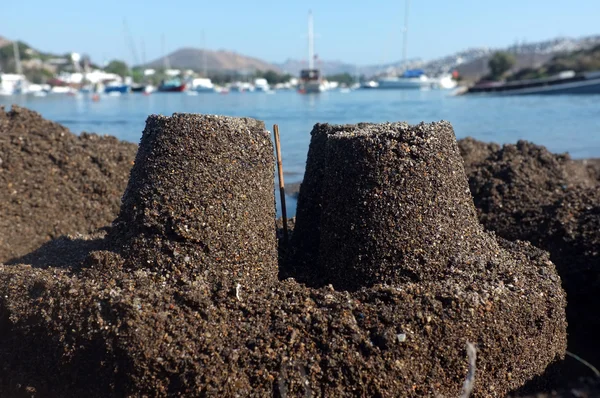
x: 161, y: 273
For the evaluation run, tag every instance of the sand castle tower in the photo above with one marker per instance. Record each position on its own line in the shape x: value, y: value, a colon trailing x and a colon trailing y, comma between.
x: 200, y: 199
x: 387, y: 203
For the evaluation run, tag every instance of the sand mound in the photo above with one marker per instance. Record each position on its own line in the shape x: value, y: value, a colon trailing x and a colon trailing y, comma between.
x: 524, y: 192
x: 181, y: 297
x: 54, y: 182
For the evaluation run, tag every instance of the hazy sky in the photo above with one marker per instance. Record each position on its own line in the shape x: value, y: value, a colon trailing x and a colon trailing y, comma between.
x: 362, y: 32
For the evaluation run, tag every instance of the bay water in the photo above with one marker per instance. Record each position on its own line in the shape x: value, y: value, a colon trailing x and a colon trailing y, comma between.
x: 561, y: 123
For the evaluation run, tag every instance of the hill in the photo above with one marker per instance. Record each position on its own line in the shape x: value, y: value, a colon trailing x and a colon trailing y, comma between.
x: 578, y: 61
x: 583, y: 60
x: 4, y: 41
x: 293, y: 67
x: 475, y: 69
x: 216, y: 61
x: 37, y: 66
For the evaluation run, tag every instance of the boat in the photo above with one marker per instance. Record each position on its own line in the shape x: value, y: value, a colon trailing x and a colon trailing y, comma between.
x: 117, y: 88
x: 62, y: 90
x: 241, y: 87
x: 261, y: 85
x: 203, y: 85
x: 410, y: 79
x: 14, y: 83
x: 567, y: 82
x: 310, y: 79
x: 171, y: 86
x: 369, y: 84
x: 310, y: 82
x: 38, y: 90
x: 446, y: 82
x: 142, y: 88
x: 174, y: 84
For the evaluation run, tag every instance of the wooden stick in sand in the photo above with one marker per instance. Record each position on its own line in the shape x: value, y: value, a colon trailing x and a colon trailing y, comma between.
x: 281, y: 183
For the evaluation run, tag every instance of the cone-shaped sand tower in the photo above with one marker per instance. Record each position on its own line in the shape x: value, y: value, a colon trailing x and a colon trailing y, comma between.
x: 200, y: 198
x: 396, y: 206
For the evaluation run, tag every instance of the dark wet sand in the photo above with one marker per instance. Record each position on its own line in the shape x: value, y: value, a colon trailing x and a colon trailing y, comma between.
x: 174, y: 300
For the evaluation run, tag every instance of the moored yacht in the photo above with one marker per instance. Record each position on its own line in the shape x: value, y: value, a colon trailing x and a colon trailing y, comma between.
x: 567, y: 82
x: 261, y: 85
x: 310, y: 79
x: 410, y: 79
x: 310, y: 82
x: 203, y: 85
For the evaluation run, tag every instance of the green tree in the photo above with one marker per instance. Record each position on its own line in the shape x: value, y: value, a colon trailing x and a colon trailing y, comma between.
x: 38, y: 76
x: 117, y: 67
x: 273, y: 77
x: 137, y: 74
x: 342, y: 78
x: 500, y: 63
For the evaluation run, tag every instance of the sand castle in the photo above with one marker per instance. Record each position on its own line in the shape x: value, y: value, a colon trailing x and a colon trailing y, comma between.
x: 184, y: 299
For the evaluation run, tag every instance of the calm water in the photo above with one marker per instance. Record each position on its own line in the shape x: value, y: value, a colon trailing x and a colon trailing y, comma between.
x: 562, y: 123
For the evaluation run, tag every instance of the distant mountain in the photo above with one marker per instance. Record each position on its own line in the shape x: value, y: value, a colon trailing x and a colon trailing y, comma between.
x: 471, y: 63
x: 216, y: 61
x: 477, y: 68
x: 327, y: 68
x: 294, y: 66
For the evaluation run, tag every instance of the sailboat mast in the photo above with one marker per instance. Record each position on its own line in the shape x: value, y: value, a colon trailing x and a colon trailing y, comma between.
x: 18, y: 67
x: 405, y: 33
x: 143, y: 47
x: 130, y: 42
x: 165, y: 56
x: 204, y: 62
x: 311, y: 42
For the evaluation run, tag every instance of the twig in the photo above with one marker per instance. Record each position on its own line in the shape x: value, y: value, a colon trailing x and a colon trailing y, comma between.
x: 281, y: 184
x: 586, y: 363
x: 470, y: 380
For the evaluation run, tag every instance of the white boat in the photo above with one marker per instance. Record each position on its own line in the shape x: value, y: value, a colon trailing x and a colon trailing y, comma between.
x: 62, y: 90
x: 446, y: 82
x: 261, y: 85
x: 241, y: 87
x: 411, y: 79
x: 38, y: 90
x: 12, y: 83
x: 203, y: 85
x: 369, y: 84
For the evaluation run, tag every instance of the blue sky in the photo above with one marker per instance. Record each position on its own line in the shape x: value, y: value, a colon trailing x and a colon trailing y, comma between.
x: 362, y: 32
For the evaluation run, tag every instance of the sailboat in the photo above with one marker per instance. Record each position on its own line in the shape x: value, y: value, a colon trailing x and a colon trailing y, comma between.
x: 14, y: 83
x: 203, y: 84
x: 411, y: 78
x: 310, y: 79
x: 173, y: 84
